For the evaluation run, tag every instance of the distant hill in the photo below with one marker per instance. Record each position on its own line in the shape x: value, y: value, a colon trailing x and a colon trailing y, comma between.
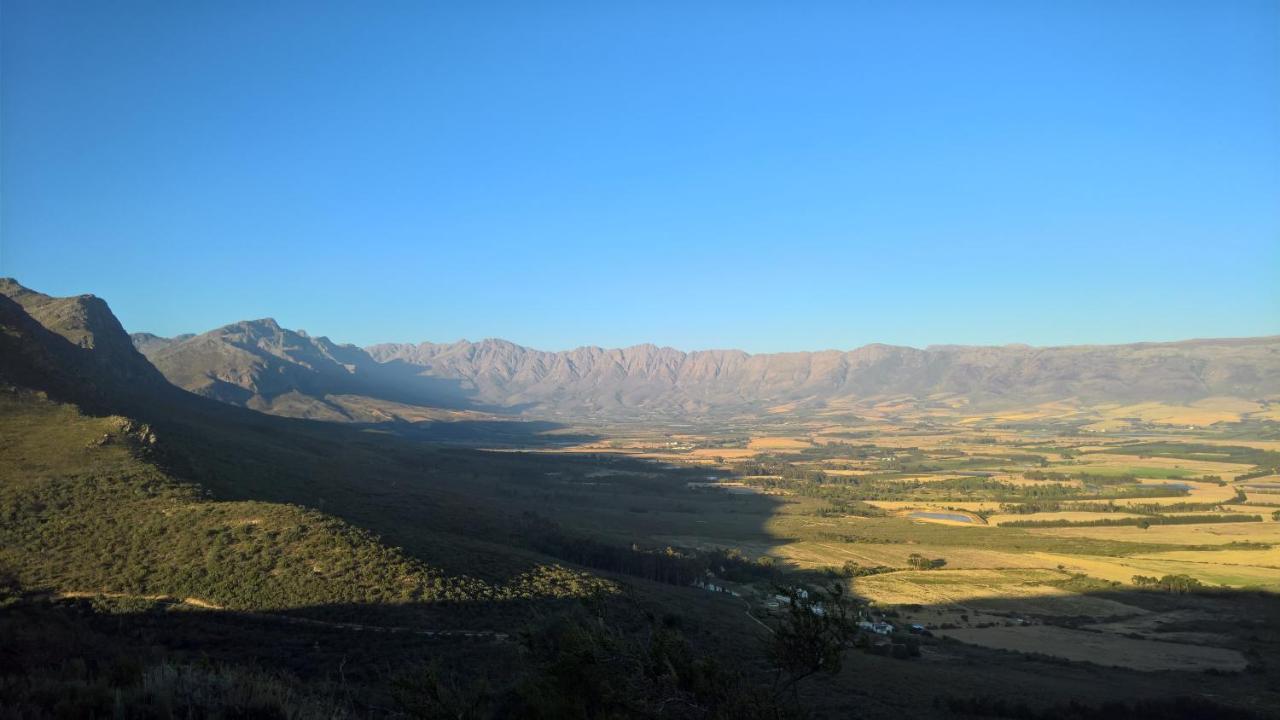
x: 149, y: 344
x: 647, y: 380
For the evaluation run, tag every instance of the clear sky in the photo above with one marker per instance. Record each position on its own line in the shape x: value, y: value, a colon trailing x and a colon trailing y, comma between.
x: 769, y: 176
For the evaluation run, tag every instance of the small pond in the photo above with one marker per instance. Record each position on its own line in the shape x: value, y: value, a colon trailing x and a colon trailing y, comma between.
x: 957, y: 517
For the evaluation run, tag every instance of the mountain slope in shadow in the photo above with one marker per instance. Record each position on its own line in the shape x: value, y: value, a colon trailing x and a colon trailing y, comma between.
x: 113, y: 480
x: 262, y: 366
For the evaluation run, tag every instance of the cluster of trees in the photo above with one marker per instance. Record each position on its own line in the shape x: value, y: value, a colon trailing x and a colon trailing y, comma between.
x: 1192, y: 451
x: 1177, y: 584
x: 1142, y: 522
x: 814, y: 482
x: 841, y: 506
x: 1060, y: 491
x: 920, y: 562
x: 960, y: 489
x: 674, y: 566
x: 851, y: 539
x: 851, y: 569
x: 1154, y: 508
x: 1259, y: 472
x: 786, y: 470
x: 1041, y: 506
x: 1096, y: 479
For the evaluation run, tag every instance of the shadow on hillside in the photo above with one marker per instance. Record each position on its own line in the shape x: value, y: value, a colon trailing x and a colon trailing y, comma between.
x: 453, y: 506
x: 401, y: 381
x: 354, y: 645
x: 364, y: 662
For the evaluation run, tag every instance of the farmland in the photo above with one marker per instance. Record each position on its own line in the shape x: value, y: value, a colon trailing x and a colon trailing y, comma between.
x: 1012, y: 530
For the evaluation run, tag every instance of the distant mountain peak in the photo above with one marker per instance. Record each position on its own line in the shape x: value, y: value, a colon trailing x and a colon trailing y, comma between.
x: 266, y: 324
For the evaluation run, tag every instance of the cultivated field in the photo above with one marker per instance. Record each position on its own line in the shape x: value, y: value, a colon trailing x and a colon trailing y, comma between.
x: 1007, y: 529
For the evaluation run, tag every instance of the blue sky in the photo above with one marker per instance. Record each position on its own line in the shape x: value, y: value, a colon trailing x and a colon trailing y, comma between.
x: 770, y: 176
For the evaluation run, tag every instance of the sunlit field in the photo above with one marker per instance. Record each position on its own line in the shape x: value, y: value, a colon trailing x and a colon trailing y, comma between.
x: 1034, y: 520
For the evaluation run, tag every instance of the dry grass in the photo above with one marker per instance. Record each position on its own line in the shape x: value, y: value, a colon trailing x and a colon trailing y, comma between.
x: 1227, y: 471
x: 1005, y: 590
x: 1072, y: 516
x: 1207, y: 568
x: 814, y: 554
x: 726, y: 453
x: 1265, y: 558
x: 779, y: 443
x: 1259, y: 444
x: 1198, y: 414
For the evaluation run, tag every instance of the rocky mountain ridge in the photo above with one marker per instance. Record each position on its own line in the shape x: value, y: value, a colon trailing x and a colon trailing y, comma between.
x: 663, y: 380
x: 261, y: 365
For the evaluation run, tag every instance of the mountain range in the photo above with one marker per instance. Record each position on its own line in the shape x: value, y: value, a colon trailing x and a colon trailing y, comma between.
x: 646, y: 379
x: 259, y: 364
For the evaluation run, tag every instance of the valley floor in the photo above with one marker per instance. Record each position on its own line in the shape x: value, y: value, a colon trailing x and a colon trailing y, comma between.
x: 1006, y: 571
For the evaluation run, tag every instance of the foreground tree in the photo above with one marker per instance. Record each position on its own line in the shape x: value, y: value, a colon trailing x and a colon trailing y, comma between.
x: 812, y: 637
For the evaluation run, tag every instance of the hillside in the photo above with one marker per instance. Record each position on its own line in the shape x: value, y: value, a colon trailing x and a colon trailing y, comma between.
x: 115, y: 481
x: 184, y: 566
x: 74, y: 349
x: 648, y: 380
